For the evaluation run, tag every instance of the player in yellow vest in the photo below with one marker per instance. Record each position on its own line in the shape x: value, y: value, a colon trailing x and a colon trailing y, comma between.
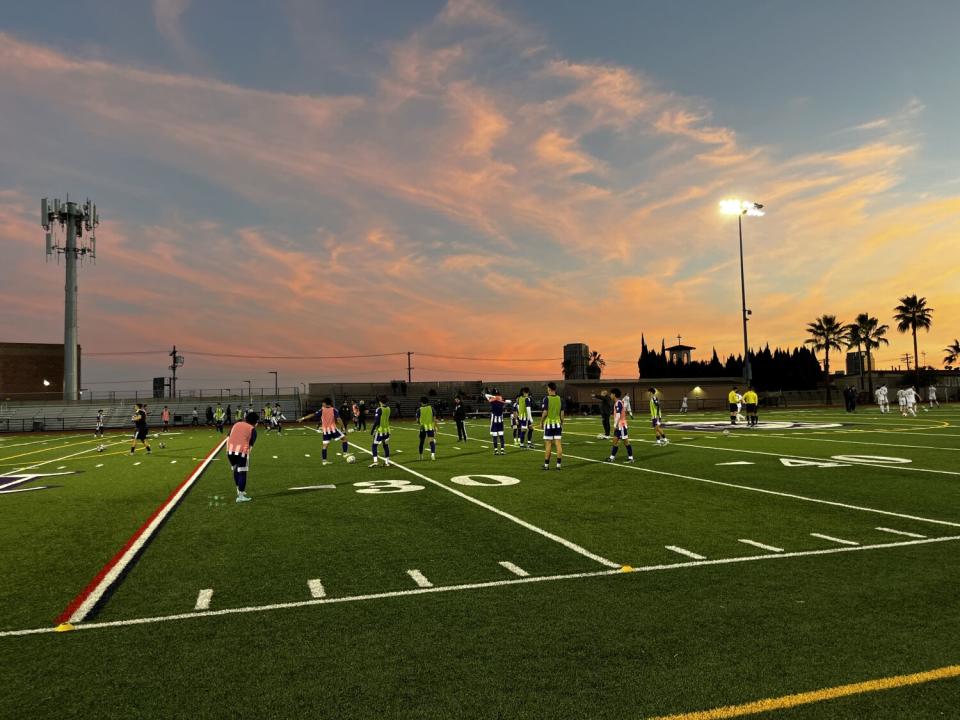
x: 656, y: 417
x: 751, y: 400
x: 551, y: 424
x: 733, y: 398
x: 428, y: 427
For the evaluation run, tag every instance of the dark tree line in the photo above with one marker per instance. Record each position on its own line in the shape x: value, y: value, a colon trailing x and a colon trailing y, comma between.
x: 778, y: 369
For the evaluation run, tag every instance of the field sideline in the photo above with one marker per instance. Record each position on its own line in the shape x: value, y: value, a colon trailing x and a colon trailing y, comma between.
x: 800, y: 570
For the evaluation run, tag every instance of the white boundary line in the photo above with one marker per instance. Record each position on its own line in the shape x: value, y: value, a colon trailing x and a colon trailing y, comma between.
x: 20, y: 470
x: 477, y: 586
x: 513, y: 518
x: 84, y: 603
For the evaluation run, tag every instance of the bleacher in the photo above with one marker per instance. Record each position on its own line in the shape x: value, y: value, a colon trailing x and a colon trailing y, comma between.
x: 46, y: 417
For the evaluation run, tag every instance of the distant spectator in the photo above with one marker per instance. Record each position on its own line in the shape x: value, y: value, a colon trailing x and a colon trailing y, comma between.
x: 606, y: 409
x: 209, y: 415
x: 196, y: 416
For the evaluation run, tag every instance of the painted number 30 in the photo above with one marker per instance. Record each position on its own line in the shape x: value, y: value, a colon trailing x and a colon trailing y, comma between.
x: 387, y: 486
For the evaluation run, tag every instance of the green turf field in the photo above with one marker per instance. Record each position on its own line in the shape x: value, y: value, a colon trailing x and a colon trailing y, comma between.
x: 722, y: 569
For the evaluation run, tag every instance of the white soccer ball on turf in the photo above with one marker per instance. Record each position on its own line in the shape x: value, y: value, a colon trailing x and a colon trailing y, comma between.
x: 726, y: 432
x: 99, y: 448
x: 350, y: 458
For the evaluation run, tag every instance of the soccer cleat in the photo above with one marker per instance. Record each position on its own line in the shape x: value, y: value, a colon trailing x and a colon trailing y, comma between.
x: 374, y: 464
x: 610, y: 459
x: 421, y: 456
x: 325, y: 462
x: 243, y: 497
x: 665, y: 441
x: 432, y: 456
x: 629, y: 460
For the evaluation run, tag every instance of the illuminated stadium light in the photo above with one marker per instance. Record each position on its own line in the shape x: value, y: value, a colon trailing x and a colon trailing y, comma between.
x: 741, y: 207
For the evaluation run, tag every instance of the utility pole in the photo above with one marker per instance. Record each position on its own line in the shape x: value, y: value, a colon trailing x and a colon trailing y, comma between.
x: 74, y: 219
x: 276, y: 386
x: 409, y: 367
x: 907, y: 357
x: 175, y: 362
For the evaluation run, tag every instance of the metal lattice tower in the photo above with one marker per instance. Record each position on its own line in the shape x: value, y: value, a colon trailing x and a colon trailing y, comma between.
x: 74, y: 219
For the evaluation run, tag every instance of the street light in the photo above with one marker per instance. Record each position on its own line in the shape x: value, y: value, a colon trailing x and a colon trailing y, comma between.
x: 741, y: 208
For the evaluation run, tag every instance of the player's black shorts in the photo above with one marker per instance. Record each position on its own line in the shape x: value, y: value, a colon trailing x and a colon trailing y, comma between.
x: 141, y: 434
x: 238, y: 461
x: 751, y: 409
x: 733, y: 407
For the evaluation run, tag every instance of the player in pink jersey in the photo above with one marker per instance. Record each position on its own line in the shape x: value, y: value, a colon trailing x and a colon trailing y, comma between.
x: 242, y: 437
x: 332, y: 427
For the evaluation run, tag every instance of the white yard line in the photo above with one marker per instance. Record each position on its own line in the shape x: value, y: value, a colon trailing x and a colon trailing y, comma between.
x: 901, y: 532
x: 84, y: 603
x: 861, y: 442
x: 513, y: 518
x: 756, y: 544
x: 687, y: 553
x: 833, y: 539
x: 316, y: 589
x: 793, y: 496
x: 477, y: 586
x: 518, y: 571
x: 20, y: 470
x: 419, y: 578
x: 203, y: 599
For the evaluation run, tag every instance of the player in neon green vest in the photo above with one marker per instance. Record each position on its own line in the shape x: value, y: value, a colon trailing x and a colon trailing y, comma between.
x: 656, y: 416
x: 381, y: 433
x: 428, y: 427
x: 551, y: 423
x: 218, y: 416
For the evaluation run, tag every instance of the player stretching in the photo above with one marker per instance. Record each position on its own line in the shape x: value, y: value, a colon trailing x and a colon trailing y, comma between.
x: 751, y: 400
x: 277, y: 418
x: 525, y: 411
x: 140, y: 423
x: 218, y: 418
x: 551, y: 423
x: 428, y: 428
x: 656, y: 417
x: 98, y: 428
x: 242, y: 437
x: 496, y: 421
x: 331, y: 424
x: 620, y: 431
x: 381, y: 432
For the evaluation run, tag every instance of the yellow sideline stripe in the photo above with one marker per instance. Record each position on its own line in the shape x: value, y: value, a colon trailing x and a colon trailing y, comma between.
x: 48, y: 449
x: 814, y: 696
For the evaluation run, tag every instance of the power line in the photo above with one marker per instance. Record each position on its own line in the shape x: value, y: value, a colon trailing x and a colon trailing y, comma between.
x: 482, y: 359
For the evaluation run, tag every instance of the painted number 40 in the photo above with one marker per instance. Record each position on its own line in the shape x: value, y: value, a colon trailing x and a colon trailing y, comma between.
x: 844, y: 461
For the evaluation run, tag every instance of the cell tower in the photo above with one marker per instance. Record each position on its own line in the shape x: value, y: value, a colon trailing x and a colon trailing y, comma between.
x: 74, y: 219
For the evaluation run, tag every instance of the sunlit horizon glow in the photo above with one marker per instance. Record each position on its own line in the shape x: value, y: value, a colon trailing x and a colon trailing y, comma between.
x: 473, y: 179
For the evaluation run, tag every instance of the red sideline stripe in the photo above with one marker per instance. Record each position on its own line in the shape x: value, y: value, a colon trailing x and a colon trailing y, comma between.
x: 79, y: 599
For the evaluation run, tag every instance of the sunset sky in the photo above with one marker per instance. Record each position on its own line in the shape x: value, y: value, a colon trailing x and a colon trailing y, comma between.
x: 474, y: 179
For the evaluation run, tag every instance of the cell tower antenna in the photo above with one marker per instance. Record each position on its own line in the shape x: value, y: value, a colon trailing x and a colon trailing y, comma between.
x: 75, y: 220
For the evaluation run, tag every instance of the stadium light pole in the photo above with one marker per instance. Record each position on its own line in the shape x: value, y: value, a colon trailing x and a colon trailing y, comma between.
x: 276, y: 384
x: 741, y: 208
x: 249, y: 392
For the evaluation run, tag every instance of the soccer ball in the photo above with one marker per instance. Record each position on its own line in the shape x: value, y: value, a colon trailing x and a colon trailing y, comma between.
x: 99, y: 448
x: 350, y: 458
x: 726, y: 432
x: 162, y: 445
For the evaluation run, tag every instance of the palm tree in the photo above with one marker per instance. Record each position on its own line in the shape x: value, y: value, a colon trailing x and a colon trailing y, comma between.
x: 595, y: 366
x: 867, y: 332
x: 826, y: 334
x: 851, y: 338
x: 953, y: 354
x: 910, y: 314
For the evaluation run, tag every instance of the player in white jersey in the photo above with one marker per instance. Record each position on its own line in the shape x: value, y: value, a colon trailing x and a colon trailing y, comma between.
x: 932, y: 396
x: 626, y: 405
x: 902, y: 401
x: 881, y: 396
x: 911, y: 396
x: 740, y: 418
x: 98, y: 430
